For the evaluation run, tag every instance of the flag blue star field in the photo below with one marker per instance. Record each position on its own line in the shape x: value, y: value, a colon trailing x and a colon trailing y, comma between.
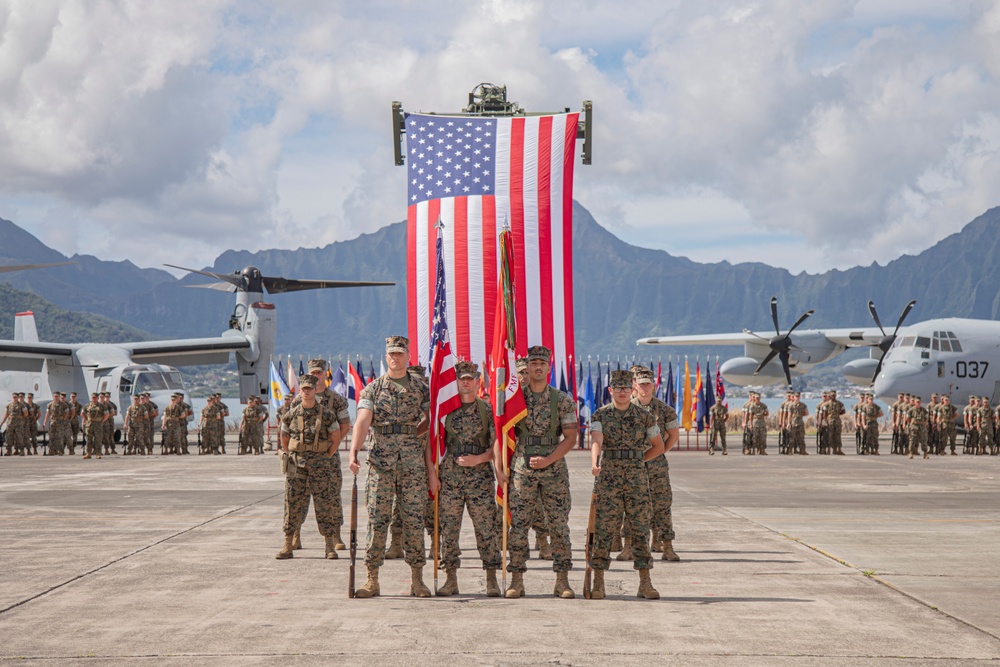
x: 475, y: 174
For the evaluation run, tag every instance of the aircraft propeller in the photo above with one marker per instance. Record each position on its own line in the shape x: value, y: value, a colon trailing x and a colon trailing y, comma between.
x: 250, y: 280
x: 22, y: 267
x: 887, y: 340
x: 780, y: 344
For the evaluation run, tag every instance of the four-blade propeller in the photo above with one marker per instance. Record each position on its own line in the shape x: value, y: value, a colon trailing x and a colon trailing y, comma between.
x: 887, y: 340
x: 780, y: 344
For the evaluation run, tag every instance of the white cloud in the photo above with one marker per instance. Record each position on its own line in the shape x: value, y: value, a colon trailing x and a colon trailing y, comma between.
x: 845, y: 131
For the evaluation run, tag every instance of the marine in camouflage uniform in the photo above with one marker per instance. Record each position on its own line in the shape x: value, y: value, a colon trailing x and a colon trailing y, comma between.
x: 933, y: 431
x: 757, y: 414
x: 661, y: 494
x: 108, y: 432
x: 782, y: 421
x: 94, y: 415
x: 309, y: 440
x: 985, y: 422
x: 14, y: 416
x: 795, y: 415
x: 539, y: 524
x: 916, y: 426
x: 252, y: 428
x: 188, y: 412
x: 210, y: 426
x: 718, y: 417
x: 971, y: 425
x: 336, y: 404
x: 152, y: 412
x: 133, y: 426
x: 870, y: 414
x: 34, y: 412
x: 74, y: 420
x: 57, y: 423
x: 174, y: 416
x: 623, y: 436
x: 468, y: 481
x: 946, y: 420
x: 539, y: 475
x: 395, y: 407
x: 835, y: 409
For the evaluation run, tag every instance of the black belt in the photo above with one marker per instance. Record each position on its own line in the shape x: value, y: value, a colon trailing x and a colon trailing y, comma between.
x: 464, y: 450
x: 396, y: 429
x: 623, y: 455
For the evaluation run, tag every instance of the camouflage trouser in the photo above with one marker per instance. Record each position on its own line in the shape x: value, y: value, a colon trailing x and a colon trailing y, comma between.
x: 107, y: 435
x: 622, y: 486
x: 871, y: 436
x: 33, y: 434
x: 173, y: 439
x: 473, y: 488
x: 539, y: 523
x: 833, y: 436
x: 661, y: 497
x: 336, y: 483
x: 310, y: 480
x: 918, y: 438
x: 948, y: 434
x: 986, y: 438
x: 254, y: 439
x: 74, y: 424
x: 93, y: 433
x: 150, y: 431
x: 15, y: 437
x: 718, y: 434
x: 59, y: 437
x: 546, y: 490
x: 797, y: 438
x: 759, y: 433
x: 137, y: 437
x: 409, y: 474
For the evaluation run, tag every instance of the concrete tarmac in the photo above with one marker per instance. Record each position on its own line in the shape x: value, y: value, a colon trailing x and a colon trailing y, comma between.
x: 816, y: 560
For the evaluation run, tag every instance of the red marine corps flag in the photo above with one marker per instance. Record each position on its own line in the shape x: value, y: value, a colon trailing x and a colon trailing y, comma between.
x: 475, y: 174
x: 508, y: 401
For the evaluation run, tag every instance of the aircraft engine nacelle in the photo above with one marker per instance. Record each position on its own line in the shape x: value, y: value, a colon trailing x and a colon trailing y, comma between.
x: 261, y: 327
x: 860, y: 371
x: 740, y: 370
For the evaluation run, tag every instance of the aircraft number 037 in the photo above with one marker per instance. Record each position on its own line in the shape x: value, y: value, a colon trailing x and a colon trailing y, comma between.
x: 971, y: 369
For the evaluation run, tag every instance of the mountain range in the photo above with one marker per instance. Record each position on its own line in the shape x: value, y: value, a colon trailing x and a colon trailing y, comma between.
x: 957, y: 277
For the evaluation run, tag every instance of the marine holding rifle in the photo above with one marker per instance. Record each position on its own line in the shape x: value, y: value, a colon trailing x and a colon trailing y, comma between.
x: 309, y: 439
x: 627, y: 436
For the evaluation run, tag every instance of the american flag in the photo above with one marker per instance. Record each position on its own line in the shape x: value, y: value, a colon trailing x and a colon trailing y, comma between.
x: 474, y: 174
x: 444, y: 381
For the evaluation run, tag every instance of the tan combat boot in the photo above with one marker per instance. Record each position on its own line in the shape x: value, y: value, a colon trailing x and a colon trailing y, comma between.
x: 616, y: 543
x: 450, y: 584
x: 543, y: 546
x: 339, y: 543
x: 668, y: 551
x: 516, y: 589
x: 492, y: 587
x: 297, y: 539
x: 331, y: 548
x: 417, y: 587
x: 646, y: 589
x: 370, y: 589
x: 286, y: 550
x: 597, y: 590
x: 562, y: 589
x: 395, y: 546
x: 626, y: 553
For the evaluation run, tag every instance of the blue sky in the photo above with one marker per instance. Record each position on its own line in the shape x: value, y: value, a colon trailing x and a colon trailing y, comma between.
x: 805, y: 135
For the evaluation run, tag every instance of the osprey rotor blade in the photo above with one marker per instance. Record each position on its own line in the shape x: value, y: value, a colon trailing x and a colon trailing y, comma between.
x: 234, y: 280
x: 278, y: 285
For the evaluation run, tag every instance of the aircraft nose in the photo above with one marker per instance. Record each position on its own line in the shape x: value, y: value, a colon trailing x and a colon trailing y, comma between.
x: 896, y: 378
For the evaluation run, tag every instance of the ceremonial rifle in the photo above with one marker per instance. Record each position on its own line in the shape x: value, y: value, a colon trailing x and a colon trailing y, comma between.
x: 591, y: 538
x: 354, y: 537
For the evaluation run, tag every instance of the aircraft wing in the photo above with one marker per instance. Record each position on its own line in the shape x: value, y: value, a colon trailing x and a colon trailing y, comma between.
x: 846, y: 337
x: 29, y: 356
x: 189, y: 351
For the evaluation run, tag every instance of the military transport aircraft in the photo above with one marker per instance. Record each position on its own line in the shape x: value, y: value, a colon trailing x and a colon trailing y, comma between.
x: 958, y: 357
x: 126, y: 369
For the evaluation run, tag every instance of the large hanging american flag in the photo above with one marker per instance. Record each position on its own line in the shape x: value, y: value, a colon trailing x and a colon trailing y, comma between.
x: 475, y: 174
x: 444, y: 381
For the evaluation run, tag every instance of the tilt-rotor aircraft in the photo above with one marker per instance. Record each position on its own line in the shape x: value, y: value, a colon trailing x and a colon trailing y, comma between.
x: 126, y: 369
x: 953, y: 356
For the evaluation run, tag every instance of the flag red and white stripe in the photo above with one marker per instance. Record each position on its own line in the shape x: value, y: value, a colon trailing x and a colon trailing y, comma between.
x: 474, y: 174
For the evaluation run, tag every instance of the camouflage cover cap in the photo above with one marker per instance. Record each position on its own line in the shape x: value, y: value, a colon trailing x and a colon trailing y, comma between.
x: 542, y: 353
x: 466, y: 369
x: 521, y: 364
x: 643, y: 375
x: 307, y: 381
x: 620, y: 379
x: 317, y: 365
x: 636, y: 369
x: 833, y: 392
x: 397, y: 344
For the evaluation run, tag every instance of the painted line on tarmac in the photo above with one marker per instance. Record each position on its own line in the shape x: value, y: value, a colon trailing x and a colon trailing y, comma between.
x: 137, y: 551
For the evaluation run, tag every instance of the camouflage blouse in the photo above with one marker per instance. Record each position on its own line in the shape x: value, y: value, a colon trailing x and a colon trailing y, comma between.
x: 624, y: 429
